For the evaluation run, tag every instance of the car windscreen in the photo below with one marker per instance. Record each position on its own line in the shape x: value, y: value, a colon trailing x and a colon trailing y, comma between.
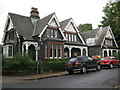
x: 103, y: 59
x: 72, y: 59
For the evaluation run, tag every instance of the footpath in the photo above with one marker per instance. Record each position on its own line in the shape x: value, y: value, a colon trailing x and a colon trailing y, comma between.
x: 13, y: 79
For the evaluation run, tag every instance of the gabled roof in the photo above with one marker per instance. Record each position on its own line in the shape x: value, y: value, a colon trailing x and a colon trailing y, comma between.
x: 40, y: 25
x: 64, y: 23
x: 98, y: 34
x: 23, y: 25
x: 89, y: 34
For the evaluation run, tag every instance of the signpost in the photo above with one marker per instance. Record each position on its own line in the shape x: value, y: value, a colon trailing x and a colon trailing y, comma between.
x: 38, y: 63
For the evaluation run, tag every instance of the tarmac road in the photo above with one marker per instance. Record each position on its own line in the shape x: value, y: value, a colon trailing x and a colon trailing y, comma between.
x: 106, y: 78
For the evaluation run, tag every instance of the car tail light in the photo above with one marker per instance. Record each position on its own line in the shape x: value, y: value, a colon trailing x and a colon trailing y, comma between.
x: 76, y: 63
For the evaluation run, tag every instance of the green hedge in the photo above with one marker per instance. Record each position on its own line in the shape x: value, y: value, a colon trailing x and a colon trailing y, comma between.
x: 19, y: 62
x: 53, y: 65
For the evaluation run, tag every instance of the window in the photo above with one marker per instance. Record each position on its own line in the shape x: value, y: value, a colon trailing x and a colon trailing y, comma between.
x: 8, y: 51
x: 55, y: 33
x: 51, y: 32
x: 69, y: 37
x: 51, y: 50
x: 66, y: 36
x: 108, y: 42
x: 75, y: 38
x: 72, y: 37
x: 59, y: 51
x: 55, y: 50
x: 48, y: 32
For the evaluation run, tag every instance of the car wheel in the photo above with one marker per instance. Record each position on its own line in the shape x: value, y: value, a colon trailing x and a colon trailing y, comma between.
x: 71, y: 72
x: 84, y: 70
x: 111, y: 66
x: 98, y: 68
x: 119, y: 64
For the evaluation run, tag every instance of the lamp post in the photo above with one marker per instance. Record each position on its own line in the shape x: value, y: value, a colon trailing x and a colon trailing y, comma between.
x: 38, y: 63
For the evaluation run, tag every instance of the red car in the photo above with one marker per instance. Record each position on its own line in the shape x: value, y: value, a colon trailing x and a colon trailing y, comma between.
x: 109, y: 62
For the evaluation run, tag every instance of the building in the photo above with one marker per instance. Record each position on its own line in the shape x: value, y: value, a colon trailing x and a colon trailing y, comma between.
x: 100, y: 41
x: 55, y: 39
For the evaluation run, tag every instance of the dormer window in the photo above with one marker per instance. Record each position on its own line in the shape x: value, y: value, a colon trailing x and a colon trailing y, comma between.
x: 51, y: 32
x: 70, y: 36
x: 108, y: 42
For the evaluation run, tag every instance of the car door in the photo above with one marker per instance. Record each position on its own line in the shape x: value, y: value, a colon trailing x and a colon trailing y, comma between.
x: 92, y: 62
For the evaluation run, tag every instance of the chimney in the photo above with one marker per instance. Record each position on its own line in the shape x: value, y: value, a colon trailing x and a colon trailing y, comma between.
x: 34, y: 13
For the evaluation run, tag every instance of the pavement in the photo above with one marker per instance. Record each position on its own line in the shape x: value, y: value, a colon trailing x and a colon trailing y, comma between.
x: 13, y: 79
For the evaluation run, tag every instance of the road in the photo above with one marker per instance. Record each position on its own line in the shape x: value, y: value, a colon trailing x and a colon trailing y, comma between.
x: 106, y: 78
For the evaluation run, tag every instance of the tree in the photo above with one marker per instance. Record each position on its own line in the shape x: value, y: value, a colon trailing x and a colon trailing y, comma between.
x: 85, y: 27
x: 112, y: 18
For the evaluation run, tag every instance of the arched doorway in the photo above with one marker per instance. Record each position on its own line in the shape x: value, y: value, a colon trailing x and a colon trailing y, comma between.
x: 109, y: 52
x: 75, y: 52
x: 114, y: 53
x: 32, y: 52
x: 66, y: 52
x: 105, y: 53
x: 84, y: 52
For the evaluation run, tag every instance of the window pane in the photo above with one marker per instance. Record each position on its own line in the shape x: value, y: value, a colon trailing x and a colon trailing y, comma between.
x: 69, y: 37
x: 72, y: 37
x: 59, y: 51
x: 51, y: 50
x: 66, y: 36
x: 55, y: 50
x: 48, y: 32
x: 75, y: 38
x: 55, y: 33
x: 51, y: 33
x: 10, y: 51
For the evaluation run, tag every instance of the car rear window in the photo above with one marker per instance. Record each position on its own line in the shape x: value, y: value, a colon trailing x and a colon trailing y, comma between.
x: 112, y: 58
x: 72, y: 59
x: 81, y: 59
x: 103, y: 59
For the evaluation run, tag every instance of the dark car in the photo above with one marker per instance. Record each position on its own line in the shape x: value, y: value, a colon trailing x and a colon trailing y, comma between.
x: 109, y: 62
x: 81, y: 63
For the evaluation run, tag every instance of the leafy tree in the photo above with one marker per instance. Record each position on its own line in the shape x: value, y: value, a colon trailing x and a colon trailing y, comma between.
x: 112, y: 18
x: 85, y: 27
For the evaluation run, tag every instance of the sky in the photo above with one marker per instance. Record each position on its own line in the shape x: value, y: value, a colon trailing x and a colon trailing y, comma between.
x: 82, y: 11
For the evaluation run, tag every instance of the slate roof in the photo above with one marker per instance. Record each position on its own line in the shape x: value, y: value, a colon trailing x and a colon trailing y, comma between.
x: 64, y: 23
x: 96, y: 33
x: 40, y: 25
x: 23, y: 25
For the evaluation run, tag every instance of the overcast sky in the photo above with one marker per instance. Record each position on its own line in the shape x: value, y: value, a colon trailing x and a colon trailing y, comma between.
x: 82, y: 11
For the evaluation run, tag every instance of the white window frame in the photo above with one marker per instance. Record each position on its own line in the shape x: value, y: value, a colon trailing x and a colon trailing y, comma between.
x: 66, y: 36
x: 6, y: 52
x: 75, y: 38
x: 69, y: 37
x: 52, y: 32
x: 60, y: 47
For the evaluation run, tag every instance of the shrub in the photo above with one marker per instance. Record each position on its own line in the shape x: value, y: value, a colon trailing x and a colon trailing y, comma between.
x: 53, y: 65
x: 19, y: 62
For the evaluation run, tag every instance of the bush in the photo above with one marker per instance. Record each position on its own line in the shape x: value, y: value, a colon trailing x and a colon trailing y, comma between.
x: 19, y: 62
x: 53, y: 65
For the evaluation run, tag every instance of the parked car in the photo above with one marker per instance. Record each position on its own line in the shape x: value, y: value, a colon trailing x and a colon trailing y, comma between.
x: 81, y: 63
x: 109, y: 62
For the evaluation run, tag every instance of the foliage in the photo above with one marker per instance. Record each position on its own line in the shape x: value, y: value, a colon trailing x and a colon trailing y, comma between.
x: 53, y: 65
x: 85, y: 27
x: 112, y: 18
x: 19, y: 62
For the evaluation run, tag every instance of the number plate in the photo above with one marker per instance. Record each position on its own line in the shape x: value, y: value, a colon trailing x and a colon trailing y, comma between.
x: 101, y: 62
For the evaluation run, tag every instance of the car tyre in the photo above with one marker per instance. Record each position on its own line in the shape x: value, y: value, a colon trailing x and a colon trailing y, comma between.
x: 119, y: 64
x: 111, y: 66
x: 84, y: 70
x: 98, y: 68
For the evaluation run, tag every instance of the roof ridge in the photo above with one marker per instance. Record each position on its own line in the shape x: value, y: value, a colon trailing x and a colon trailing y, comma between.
x: 18, y: 15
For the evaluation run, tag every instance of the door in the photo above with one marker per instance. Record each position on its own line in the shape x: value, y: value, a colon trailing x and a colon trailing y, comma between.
x: 92, y: 63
